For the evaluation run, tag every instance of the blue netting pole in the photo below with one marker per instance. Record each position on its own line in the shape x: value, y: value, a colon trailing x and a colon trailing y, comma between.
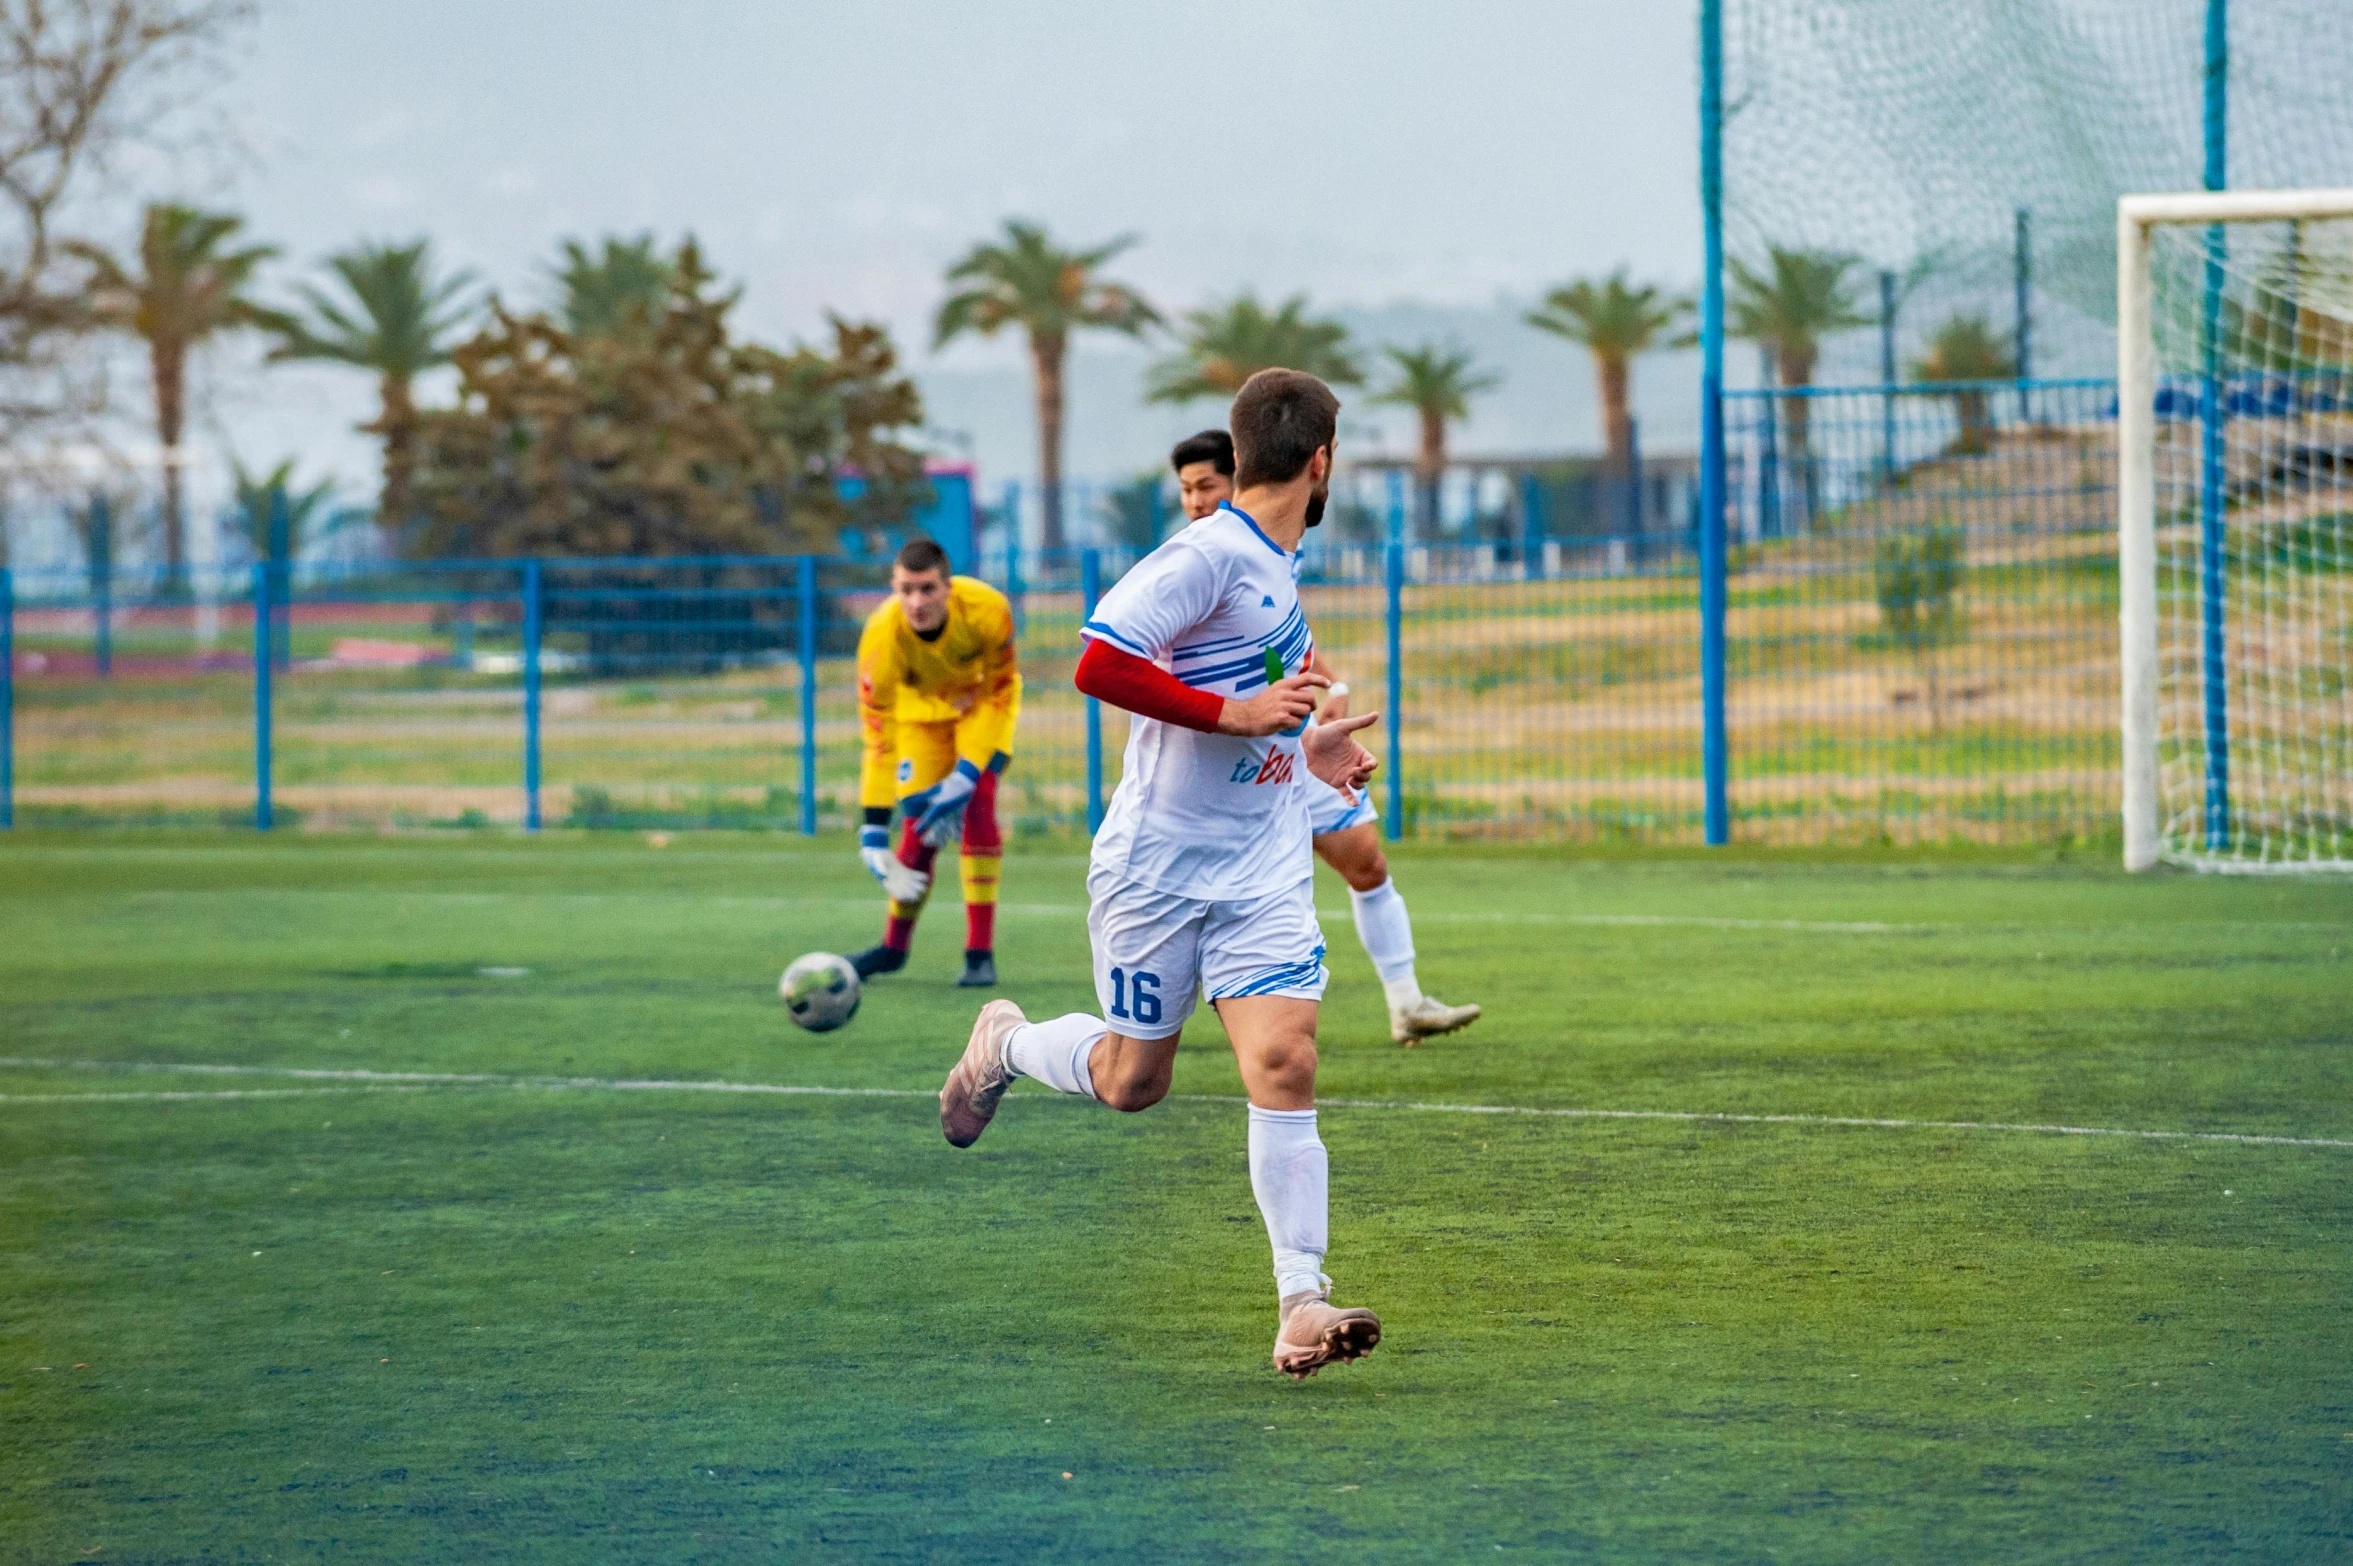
x: 1634, y: 517
x: 7, y: 699
x: 102, y: 582
x: 1531, y: 528
x: 1718, y: 818
x: 808, y: 650
x: 531, y: 633
x: 1090, y: 578
x: 1393, y: 564
x: 262, y: 661
x: 1396, y: 505
x: 1886, y: 377
x: 2022, y: 285
x: 2211, y: 415
x: 1013, y: 556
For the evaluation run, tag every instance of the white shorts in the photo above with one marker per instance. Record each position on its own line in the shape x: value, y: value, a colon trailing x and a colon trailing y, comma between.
x: 1328, y: 809
x: 1156, y: 953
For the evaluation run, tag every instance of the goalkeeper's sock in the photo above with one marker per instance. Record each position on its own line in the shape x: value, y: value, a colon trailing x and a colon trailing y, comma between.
x: 915, y: 854
x: 1386, y: 930
x: 1057, y: 1052
x: 980, y: 899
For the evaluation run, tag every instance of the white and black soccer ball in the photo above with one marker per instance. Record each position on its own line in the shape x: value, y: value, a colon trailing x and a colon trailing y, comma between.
x: 820, y: 991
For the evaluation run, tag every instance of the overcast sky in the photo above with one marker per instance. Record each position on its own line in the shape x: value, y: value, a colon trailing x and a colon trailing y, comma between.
x: 1427, y: 170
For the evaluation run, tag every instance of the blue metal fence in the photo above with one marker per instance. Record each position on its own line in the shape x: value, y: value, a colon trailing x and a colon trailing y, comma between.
x: 1902, y: 630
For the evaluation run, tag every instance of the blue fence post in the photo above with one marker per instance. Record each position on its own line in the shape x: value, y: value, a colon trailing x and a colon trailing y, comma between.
x: 7, y: 699
x: 1396, y: 505
x: 1013, y: 592
x: 1531, y: 528
x: 1090, y: 580
x: 1886, y: 376
x: 2212, y: 581
x: 808, y: 650
x: 1717, y: 806
x: 281, y: 552
x: 1394, y: 572
x: 101, y: 552
x: 262, y: 661
x: 1634, y: 506
x: 531, y: 634
x: 2022, y: 282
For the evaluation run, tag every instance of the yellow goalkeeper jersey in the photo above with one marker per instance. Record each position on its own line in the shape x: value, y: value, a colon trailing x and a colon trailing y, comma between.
x: 966, y: 675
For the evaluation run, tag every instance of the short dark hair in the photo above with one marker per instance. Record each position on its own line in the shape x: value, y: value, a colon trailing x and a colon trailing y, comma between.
x: 922, y: 554
x: 1281, y: 418
x: 1214, y: 447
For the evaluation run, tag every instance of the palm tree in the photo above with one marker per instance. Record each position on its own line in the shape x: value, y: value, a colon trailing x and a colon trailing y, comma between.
x: 604, y: 289
x: 1615, y: 322
x: 1799, y: 299
x: 1438, y: 384
x: 1967, y: 349
x: 253, y: 509
x: 1028, y: 281
x: 397, y: 320
x: 190, y: 283
x: 1226, y: 344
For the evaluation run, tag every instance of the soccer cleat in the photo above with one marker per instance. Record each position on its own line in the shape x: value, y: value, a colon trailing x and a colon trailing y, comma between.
x: 1315, y: 1333
x: 968, y: 1101
x: 980, y: 971
x: 1426, y: 1019
x: 878, y: 959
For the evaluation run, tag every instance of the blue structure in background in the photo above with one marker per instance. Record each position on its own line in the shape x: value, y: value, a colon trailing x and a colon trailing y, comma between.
x: 949, y: 521
x: 532, y: 614
x: 1393, y: 821
x: 2211, y: 415
x: 262, y: 662
x: 7, y: 700
x: 1713, y: 756
x: 1091, y: 591
x: 806, y: 582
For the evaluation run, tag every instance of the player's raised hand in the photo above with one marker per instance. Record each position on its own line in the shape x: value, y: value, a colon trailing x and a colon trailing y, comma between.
x: 1331, y: 752
x: 1278, y: 709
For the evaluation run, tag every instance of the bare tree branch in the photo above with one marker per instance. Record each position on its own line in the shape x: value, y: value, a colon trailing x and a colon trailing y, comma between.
x: 79, y: 81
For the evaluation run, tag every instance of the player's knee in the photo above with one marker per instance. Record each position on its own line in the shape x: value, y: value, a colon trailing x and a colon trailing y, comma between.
x: 1366, y: 872
x: 1130, y: 1092
x: 1288, y: 1061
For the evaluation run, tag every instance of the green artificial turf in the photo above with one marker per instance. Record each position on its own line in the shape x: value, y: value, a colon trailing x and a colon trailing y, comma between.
x: 494, y: 1322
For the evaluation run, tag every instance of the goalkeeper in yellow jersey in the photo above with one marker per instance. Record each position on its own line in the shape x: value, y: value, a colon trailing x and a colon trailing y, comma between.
x: 938, y: 696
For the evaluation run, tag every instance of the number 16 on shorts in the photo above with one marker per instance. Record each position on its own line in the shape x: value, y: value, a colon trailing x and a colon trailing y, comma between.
x: 1135, y: 997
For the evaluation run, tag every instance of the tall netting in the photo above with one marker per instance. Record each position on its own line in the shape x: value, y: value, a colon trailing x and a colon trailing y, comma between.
x: 2252, y: 468
x: 1911, y: 136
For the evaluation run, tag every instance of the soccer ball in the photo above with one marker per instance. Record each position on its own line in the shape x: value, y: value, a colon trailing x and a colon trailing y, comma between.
x: 820, y: 991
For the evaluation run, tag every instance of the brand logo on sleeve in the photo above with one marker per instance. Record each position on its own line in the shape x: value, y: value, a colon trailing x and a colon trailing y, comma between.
x: 1275, y: 769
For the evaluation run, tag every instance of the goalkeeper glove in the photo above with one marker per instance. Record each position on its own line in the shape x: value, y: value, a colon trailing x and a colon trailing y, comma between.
x: 902, y: 882
x: 943, y: 806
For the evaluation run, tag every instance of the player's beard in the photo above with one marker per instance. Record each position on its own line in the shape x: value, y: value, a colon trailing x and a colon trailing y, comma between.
x: 1315, y: 505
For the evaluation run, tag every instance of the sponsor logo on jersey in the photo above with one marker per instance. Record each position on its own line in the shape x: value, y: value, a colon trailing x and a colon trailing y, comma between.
x: 1275, y: 769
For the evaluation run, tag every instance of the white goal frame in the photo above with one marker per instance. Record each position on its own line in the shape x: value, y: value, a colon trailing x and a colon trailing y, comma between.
x: 2136, y: 452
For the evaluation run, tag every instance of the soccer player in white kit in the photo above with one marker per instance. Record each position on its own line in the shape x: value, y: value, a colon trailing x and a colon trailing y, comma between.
x: 1342, y: 825
x: 1200, y: 881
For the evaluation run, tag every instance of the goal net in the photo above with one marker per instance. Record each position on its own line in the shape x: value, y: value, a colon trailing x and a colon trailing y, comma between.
x: 2235, y: 500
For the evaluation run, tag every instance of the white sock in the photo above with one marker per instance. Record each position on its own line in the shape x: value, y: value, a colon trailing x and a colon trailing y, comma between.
x: 1291, y: 1177
x: 1056, y: 1052
x: 1386, y: 930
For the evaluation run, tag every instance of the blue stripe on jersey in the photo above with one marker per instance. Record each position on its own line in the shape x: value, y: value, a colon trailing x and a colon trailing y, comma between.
x: 1098, y: 628
x: 1227, y: 505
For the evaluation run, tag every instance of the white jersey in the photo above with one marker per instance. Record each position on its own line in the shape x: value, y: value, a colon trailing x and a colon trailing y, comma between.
x: 1209, y: 816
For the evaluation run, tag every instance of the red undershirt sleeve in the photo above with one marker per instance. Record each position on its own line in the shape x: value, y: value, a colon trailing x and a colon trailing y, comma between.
x: 1144, y: 688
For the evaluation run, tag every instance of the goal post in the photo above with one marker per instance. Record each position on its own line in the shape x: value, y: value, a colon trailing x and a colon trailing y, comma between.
x: 2235, y: 528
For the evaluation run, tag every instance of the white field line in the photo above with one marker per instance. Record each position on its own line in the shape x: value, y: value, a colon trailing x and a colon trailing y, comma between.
x: 416, y: 1081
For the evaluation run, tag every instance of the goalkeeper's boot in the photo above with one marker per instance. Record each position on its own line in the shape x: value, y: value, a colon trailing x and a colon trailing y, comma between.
x: 980, y: 971
x: 969, y: 1100
x: 1426, y: 1018
x: 1314, y: 1333
x: 878, y: 959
